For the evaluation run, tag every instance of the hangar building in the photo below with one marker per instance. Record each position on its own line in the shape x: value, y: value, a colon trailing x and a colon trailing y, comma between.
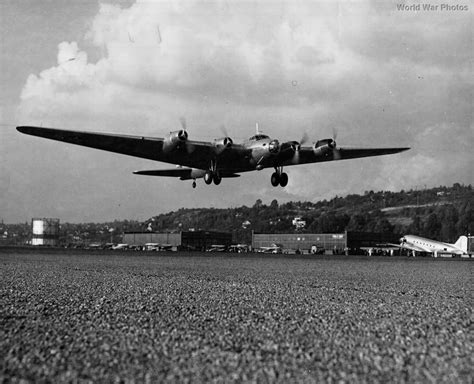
x: 186, y: 240
x: 335, y: 242
x: 470, y: 245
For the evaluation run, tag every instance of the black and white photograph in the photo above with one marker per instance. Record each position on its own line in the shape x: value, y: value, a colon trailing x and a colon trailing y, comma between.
x: 236, y: 191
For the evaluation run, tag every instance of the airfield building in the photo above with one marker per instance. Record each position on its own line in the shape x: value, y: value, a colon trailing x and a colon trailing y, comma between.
x: 470, y: 245
x: 337, y: 243
x: 185, y: 240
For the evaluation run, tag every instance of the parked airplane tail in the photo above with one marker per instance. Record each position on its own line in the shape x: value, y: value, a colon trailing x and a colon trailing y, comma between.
x: 461, y: 243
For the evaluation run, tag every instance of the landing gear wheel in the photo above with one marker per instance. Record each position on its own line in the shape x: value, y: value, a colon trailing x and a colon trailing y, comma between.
x: 275, y: 179
x: 283, y: 179
x: 194, y: 184
x: 217, y: 179
x: 208, y: 177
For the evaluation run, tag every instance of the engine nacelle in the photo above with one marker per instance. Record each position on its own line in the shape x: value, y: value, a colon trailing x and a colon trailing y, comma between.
x: 324, y: 147
x: 225, y: 142
x: 175, y: 139
x: 274, y: 146
x: 291, y: 146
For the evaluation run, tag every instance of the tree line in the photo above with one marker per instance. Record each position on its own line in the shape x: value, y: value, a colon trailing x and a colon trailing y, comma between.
x: 441, y: 213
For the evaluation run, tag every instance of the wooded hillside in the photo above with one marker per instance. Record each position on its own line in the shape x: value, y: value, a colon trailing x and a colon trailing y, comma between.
x: 441, y: 213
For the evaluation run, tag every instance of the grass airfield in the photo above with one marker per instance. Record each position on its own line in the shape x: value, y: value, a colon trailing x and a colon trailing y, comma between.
x: 152, y: 317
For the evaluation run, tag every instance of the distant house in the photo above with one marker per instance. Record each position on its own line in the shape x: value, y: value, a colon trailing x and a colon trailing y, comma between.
x: 299, y: 223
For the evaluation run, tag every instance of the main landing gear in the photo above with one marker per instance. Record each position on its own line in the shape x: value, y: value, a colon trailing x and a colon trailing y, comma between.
x: 212, y: 175
x: 279, y: 177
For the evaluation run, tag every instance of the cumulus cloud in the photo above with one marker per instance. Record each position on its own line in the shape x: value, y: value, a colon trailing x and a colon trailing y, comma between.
x: 380, y: 76
x: 242, y: 55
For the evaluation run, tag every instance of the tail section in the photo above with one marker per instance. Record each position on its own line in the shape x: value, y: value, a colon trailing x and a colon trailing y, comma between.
x: 461, y: 243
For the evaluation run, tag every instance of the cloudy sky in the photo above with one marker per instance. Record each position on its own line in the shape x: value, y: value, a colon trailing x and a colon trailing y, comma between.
x: 379, y: 75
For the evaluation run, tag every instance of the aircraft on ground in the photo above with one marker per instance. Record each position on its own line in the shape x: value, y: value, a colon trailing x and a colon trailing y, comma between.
x: 94, y: 246
x: 421, y: 244
x: 274, y: 248
x: 215, y: 160
x: 158, y: 247
x: 217, y: 248
x: 239, y: 248
x: 120, y: 246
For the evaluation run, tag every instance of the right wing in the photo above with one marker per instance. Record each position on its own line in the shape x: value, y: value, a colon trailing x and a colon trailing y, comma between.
x: 138, y: 146
x: 193, y: 154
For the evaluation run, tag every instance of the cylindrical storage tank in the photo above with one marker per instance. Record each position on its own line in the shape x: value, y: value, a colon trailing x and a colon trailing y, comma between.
x: 38, y: 227
x: 45, y: 232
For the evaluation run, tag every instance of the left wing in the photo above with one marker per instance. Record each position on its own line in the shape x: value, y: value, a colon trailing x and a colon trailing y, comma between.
x: 409, y: 247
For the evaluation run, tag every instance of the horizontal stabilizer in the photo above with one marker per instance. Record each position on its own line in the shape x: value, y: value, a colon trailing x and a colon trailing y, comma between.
x: 182, y: 173
x: 175, y: 172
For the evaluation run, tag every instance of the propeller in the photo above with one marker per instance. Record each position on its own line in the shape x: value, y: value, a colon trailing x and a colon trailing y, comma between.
x: 182, y: 120
x: 335, y: 152
x: 224, y: 130
x: 225, y: 142
x: 304, y: 139
x: 330, y: 143
x: 189, y: 147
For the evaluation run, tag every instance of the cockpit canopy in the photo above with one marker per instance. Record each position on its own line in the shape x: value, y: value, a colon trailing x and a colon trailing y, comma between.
x: 258, y: 137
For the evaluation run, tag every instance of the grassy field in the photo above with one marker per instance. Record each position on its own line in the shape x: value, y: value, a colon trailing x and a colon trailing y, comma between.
x: 68, y: 317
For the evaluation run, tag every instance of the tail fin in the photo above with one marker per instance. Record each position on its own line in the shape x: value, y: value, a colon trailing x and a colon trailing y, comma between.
x: 461, y: 243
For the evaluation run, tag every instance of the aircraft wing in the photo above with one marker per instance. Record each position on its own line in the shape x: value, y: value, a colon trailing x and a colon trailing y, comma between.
x: 138, y: 146
x: 306, y: 154
x: 354, y: 153
x: 193, y: 154
x: 408, y: 246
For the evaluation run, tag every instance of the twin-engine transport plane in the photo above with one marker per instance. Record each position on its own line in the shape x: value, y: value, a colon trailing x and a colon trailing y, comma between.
x: 424, y: 245
x: 212, y: 160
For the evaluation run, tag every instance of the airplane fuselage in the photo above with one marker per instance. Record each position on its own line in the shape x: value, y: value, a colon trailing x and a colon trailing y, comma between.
x: 421, y: 244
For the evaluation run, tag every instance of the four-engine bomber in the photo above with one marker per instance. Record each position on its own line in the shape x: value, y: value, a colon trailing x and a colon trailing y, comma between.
x: 213, y: 161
